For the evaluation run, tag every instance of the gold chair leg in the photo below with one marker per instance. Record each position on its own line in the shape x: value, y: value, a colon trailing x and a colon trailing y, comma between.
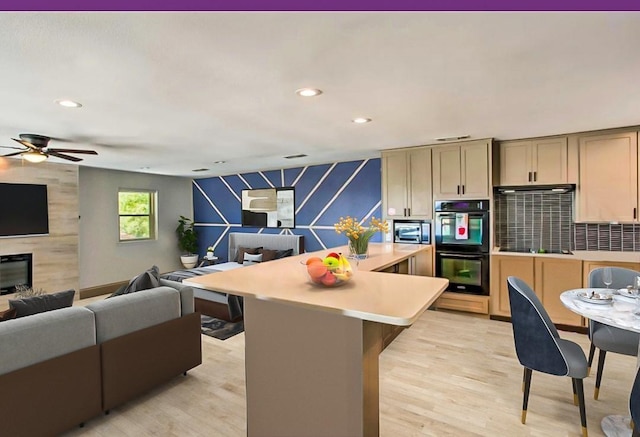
x: 596, y: 393
x: 584, y: 432
x: 524, y: 416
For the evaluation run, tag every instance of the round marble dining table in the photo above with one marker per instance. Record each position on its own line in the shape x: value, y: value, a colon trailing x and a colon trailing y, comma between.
x: 619, y: 312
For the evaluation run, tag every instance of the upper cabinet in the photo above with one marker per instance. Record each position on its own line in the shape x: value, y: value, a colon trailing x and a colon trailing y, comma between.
x: 608, y: 189
x: 533, y: 162
x: 461, y: 170
x: 406, y: 183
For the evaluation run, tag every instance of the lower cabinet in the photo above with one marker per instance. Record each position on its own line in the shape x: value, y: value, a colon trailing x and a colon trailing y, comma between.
x: 590, y: 265
x: 548, y: 277
x: 469, y: 303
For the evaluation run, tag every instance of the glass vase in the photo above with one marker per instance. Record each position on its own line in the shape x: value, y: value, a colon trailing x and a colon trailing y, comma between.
x: 359, y: 249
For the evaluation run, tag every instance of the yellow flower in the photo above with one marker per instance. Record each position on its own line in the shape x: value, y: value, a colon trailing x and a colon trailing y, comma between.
x: 358, y: 234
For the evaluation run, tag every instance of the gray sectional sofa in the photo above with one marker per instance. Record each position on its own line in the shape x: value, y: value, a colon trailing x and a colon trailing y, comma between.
x: 60, y: 368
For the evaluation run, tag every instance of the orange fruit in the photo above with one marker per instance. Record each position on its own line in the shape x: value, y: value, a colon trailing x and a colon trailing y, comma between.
x: 313, y: 259
x: 316, y: 270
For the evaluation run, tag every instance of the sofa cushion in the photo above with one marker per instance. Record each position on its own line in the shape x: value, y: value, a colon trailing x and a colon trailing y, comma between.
x: 148, y: 279
x: 29, y: 340
x: 134, y: 311
x: 243, y: 250
x: 38, y: 304
x: 8, y: 314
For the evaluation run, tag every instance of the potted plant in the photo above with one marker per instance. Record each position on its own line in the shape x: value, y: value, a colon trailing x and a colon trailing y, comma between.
x: 188, y: 242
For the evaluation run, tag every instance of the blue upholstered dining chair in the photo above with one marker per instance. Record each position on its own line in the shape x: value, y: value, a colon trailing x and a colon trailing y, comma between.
x: 605, y: 337
x: 634, y: 405
x: 540, y: 348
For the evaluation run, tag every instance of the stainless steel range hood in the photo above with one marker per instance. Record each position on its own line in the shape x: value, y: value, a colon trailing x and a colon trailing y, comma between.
x: 558, y: 188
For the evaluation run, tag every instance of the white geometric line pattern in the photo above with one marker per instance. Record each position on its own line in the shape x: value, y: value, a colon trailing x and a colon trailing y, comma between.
x: 211, y: 203
x: 326, y: 191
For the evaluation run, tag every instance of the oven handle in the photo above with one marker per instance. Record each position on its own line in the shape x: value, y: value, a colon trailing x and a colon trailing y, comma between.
x: 459, y: 255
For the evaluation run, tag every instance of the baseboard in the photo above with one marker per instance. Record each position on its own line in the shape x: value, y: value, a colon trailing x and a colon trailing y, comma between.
x: 99, y: 290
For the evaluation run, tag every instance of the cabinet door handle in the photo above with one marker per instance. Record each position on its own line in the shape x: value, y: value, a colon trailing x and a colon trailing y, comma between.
x: 458, y: 189
x: 634, y: 213
x: 409, y: 212
x: 535, y: 176
x: 463, y: 189
x: 529, y: 176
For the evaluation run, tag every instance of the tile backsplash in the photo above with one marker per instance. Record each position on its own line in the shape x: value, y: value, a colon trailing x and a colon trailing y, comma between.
x: 535, y: 220
x: 605, y: 236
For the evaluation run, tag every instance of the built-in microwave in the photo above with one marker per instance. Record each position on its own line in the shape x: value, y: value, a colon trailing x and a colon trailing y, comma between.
x: 412, y: 231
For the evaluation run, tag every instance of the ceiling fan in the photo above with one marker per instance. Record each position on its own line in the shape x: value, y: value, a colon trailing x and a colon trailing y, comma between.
x: 36, y: 149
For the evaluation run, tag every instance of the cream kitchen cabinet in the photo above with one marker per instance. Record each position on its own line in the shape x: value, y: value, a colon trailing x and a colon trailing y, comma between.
x: 406, y: 183
x: 548, y: 277
x: 461, y: 170
x: 608, y: 189
x: 534, y: 162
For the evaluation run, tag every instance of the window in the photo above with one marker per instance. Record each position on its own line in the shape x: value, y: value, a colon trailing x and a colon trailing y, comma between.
x: 137, y: 214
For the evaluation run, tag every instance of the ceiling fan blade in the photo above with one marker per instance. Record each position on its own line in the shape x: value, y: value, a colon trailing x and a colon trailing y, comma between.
x: 63, y: 156
x: 14, y: 154
x: 87, y: 152
x: 26, y: 144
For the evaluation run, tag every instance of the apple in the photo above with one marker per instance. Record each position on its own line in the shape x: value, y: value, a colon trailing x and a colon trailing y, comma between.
x: 331, y: 262
x: 329, y: 279
x: 334, y: 255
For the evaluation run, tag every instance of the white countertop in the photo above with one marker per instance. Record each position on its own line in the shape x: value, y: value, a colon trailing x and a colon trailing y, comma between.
x: 582, y: 255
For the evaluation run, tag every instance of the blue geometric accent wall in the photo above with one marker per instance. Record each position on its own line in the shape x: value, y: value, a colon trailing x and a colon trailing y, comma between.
x: 323, y: 194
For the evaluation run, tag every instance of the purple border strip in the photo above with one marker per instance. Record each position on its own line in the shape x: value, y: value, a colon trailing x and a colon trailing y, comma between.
x: 326, y: 5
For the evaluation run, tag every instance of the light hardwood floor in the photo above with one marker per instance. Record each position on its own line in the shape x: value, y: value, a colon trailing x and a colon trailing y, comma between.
x: 450, y: 374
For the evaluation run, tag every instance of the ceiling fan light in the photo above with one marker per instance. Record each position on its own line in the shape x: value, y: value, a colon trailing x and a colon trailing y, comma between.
x: 34, y: 157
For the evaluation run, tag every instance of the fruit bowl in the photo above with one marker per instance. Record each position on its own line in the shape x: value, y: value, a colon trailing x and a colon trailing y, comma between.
x: 331, y: 271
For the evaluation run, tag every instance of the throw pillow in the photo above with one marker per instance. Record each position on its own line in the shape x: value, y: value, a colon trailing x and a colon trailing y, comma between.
x: 8, y: 314
x: 144, y: 281
x: 253, y: 258
x: 243, y: 250
x: 40, y: 304
x: 271, y: 254
x: 268, y: 255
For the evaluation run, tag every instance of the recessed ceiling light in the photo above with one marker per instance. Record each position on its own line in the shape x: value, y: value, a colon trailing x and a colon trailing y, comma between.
x: 145, y: 168
x: 68, y: 103
x: 361, y: 120
x: 219, y: 162
x: 308, y: 92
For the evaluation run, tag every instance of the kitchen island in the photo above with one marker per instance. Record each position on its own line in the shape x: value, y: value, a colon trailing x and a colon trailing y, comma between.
x: 311, y: 353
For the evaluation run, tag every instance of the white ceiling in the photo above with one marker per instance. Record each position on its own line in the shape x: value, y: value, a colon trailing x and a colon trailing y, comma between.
x: 177, y: 91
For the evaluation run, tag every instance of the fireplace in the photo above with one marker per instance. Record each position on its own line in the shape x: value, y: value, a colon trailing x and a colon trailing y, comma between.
x: 15, y: 270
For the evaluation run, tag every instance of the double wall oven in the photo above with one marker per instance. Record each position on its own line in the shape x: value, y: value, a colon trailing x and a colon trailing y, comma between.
x: 462, y: 245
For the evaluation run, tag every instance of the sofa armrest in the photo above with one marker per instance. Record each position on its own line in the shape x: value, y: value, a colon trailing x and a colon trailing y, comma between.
x: 186, y: 295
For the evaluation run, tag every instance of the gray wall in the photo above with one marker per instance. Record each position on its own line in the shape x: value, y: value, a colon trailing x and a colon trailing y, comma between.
x: 105, y: 260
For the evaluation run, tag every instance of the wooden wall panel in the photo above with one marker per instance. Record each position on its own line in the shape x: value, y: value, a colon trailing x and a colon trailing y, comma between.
x: 55, y: 256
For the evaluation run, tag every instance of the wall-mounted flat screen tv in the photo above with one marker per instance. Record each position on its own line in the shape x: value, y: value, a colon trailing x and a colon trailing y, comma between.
x: 25, y: 210
x: 269, y: 208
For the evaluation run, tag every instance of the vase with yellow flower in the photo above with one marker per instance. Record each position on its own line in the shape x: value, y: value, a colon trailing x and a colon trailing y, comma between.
x: 359, y: 235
